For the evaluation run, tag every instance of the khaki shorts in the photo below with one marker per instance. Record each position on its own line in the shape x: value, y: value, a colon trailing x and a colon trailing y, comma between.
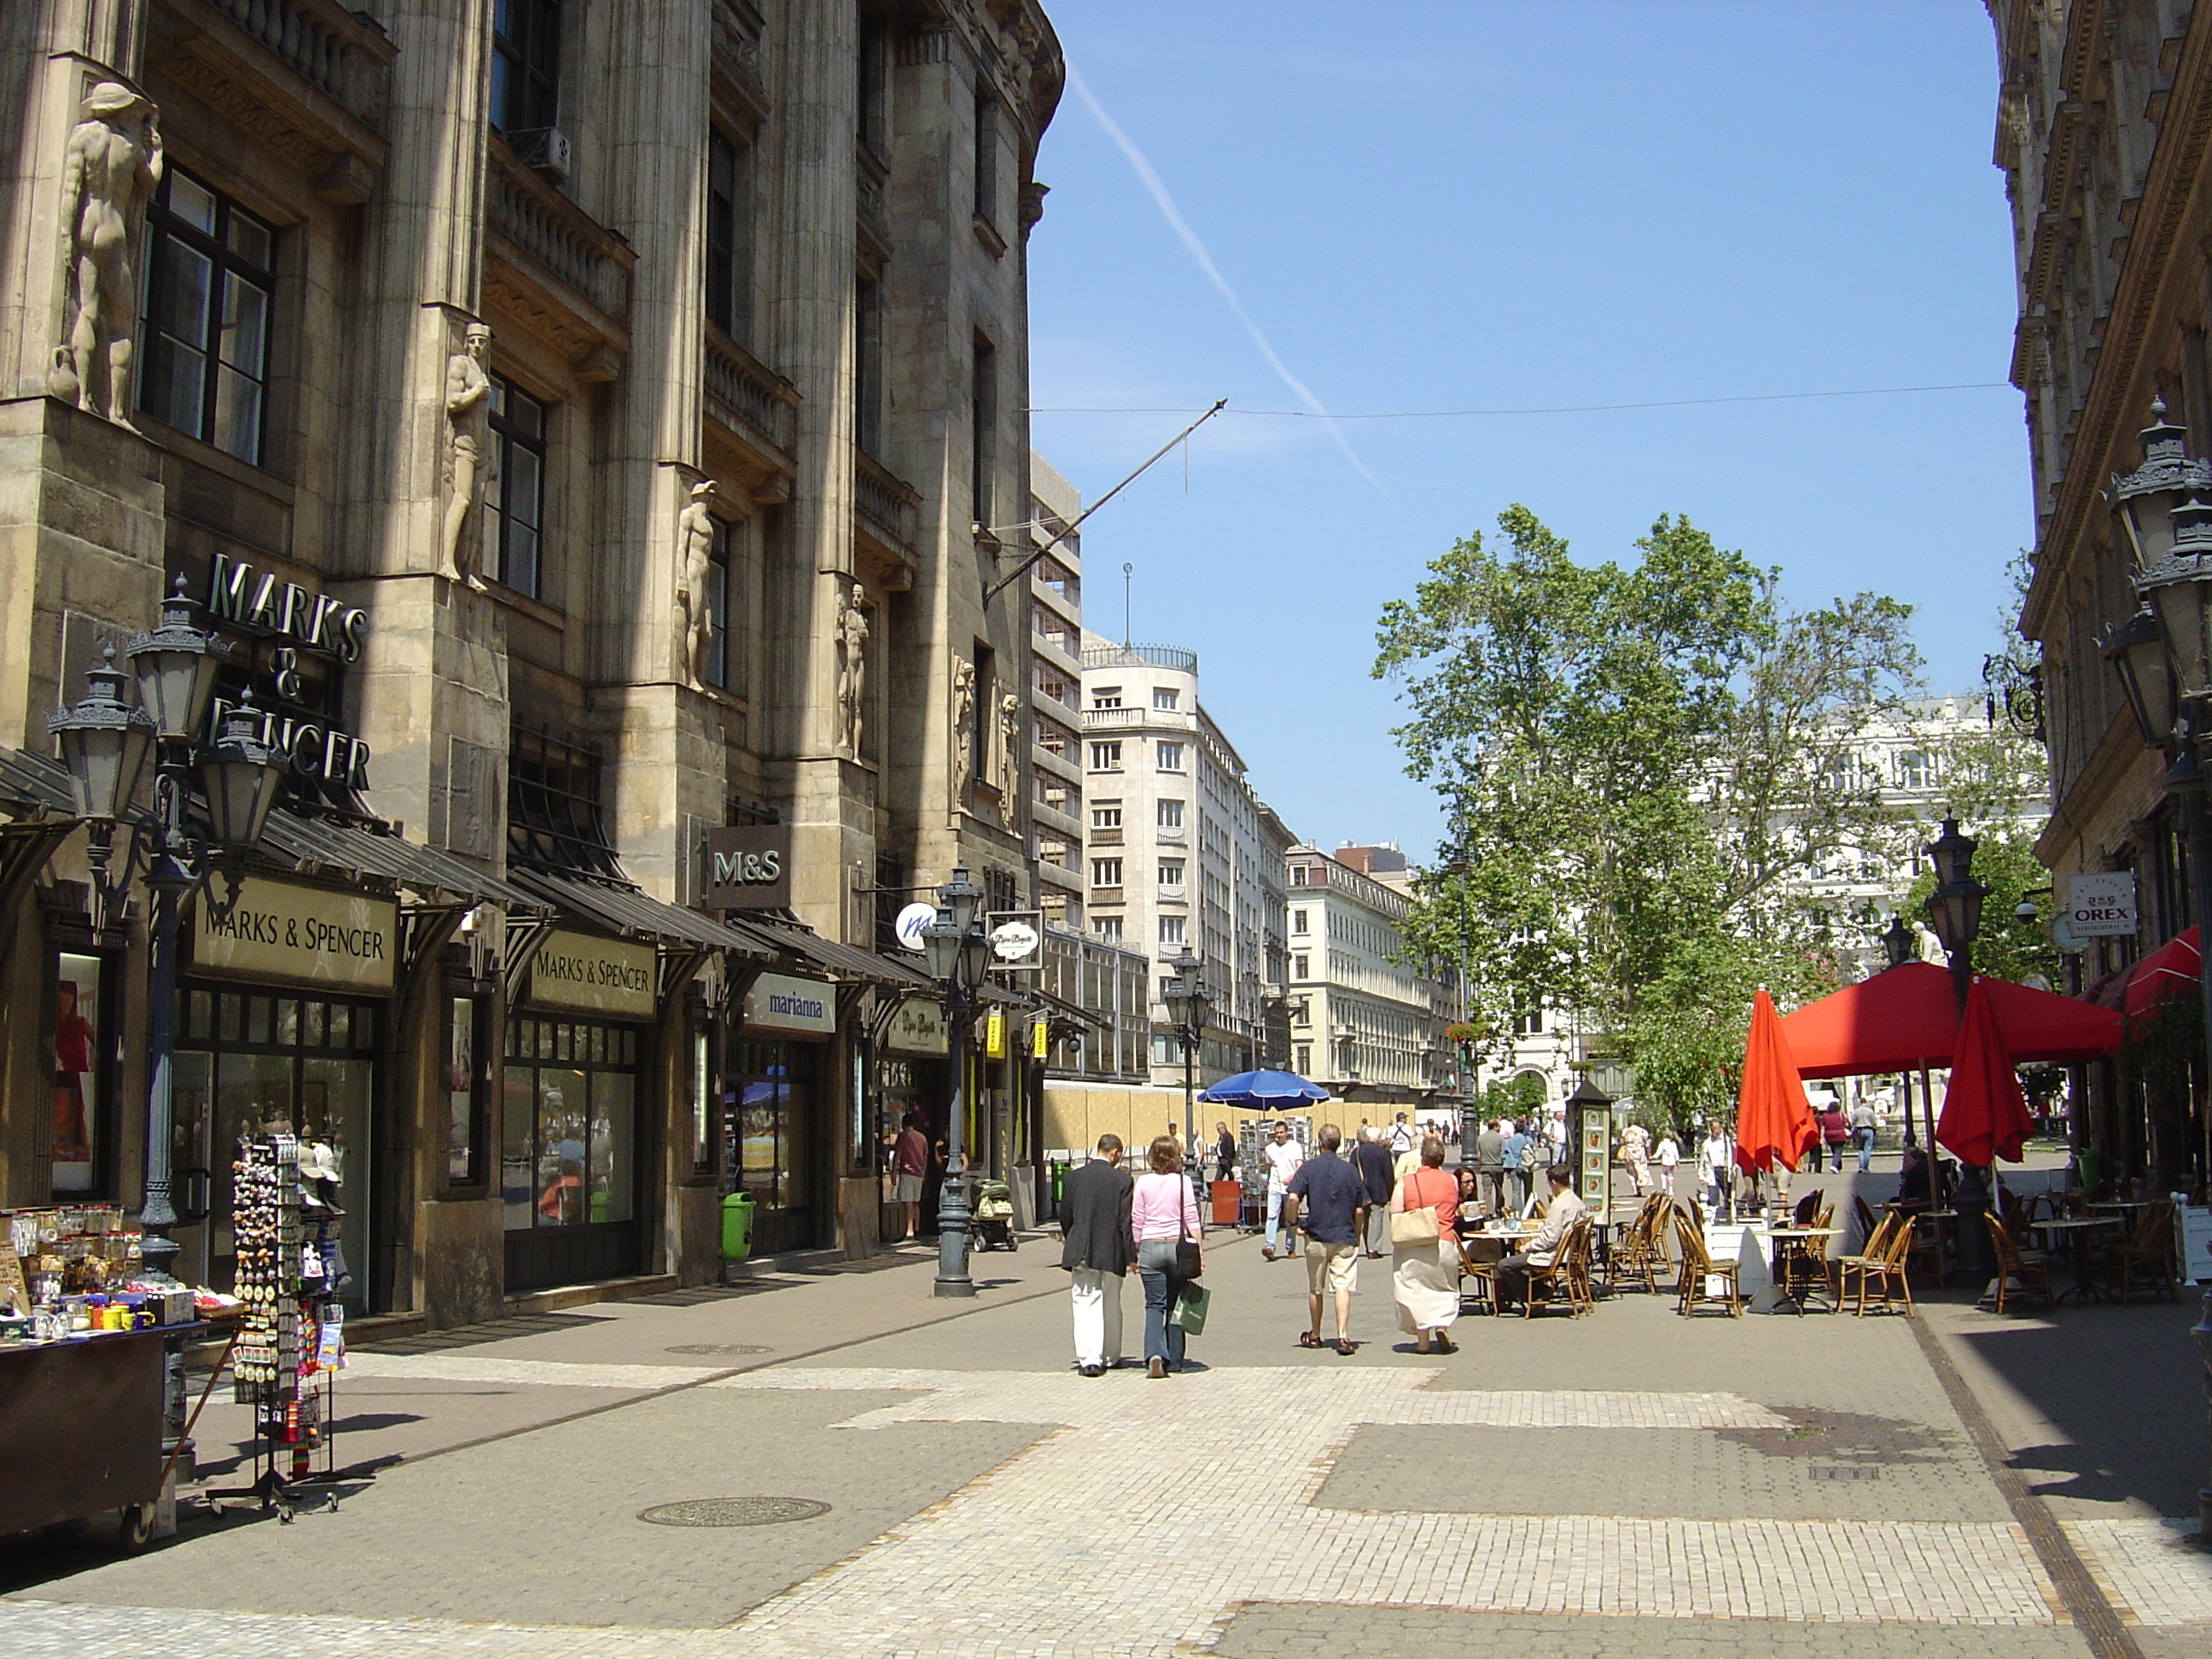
x: 1332, y: 1266
x: 908, y: 1189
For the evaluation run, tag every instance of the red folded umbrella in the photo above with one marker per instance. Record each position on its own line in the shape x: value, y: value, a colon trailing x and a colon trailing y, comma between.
x: 1773, y: 1121
x: 1985, y: 1114
x: 2172, y: 968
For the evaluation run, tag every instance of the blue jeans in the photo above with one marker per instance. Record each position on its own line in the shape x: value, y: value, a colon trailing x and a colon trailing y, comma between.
x: 1865, y: 1138
x: 1274, y: 1216
x: 1156, y: 1259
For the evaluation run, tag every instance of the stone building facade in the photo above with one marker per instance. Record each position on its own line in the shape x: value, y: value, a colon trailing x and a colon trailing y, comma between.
x: 648, y: 378
x: 2102, y: 113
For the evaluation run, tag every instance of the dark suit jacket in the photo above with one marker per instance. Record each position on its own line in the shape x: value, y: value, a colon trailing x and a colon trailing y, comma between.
x: 1372, y: 1160
x: 1094, y: 1217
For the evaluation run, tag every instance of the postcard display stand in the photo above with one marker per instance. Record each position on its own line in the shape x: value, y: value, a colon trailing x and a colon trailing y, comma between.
x: 291, y: 1334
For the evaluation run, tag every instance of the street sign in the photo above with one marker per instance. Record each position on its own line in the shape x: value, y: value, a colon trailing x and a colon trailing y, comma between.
x: 1011, y: 941
x: 2101, y: 904
x: 911, y: 920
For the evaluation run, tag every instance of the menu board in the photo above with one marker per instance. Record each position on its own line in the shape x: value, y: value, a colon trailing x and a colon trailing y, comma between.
x: 1594, y: 1136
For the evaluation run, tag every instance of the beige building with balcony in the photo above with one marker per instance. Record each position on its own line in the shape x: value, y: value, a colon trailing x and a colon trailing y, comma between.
x: 592, y: 419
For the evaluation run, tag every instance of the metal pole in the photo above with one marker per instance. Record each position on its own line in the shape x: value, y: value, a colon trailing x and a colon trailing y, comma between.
x: 1190, y: 1118
x: 1976, y: 1257
x: 952, y: 1215
x: 2198, y: 812
x: 170, y: 882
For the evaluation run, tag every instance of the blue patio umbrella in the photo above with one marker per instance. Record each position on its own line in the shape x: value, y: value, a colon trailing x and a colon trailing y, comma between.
x: 1263, y: 1090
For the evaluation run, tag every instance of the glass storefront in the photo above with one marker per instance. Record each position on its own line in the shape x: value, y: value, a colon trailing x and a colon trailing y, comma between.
x: 83, y: 1070
x: 769, y: 1139
x: 567, y: 1159
x: 247, y: 1059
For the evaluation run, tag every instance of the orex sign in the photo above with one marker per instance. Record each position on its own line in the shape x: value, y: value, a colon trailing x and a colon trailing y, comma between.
x: 594, y: 975
x: 748, y: 867
x: 309, y: 935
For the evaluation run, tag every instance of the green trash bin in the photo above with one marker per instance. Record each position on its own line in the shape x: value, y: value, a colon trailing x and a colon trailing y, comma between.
x: 2093, y: 1169
x: 737, y: 1226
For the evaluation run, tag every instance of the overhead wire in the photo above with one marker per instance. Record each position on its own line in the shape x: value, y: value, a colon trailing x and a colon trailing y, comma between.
x: 1556, y: 408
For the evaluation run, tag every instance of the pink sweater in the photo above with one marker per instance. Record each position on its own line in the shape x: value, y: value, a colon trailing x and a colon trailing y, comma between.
x: 1152, y: 1208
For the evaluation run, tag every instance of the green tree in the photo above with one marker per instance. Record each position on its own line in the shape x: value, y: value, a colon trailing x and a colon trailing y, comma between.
x: 1640, y: 761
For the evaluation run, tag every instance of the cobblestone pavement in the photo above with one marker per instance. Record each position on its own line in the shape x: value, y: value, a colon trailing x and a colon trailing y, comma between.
x: 1768, y: 1486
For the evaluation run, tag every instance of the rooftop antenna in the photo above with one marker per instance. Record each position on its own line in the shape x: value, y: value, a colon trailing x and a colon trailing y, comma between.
x: 1129, y: 634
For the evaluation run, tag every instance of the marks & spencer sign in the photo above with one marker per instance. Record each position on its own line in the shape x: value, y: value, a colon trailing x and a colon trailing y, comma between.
x: 279, y: 930
x: 594, y: 975
x: 749, y: 868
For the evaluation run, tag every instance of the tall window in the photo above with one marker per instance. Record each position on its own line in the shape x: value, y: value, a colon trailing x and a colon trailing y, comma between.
x: 1171, y: 814
x: 1170, y: 755
x: 871, y: 61
x: 1166, y: 696
x: 1105, y: 873
x: 526, y: 64
x: 1106, y: 757
x: 553, y: 815
x: 207, y: 317
x: 515, y: 492
x: 1171, y: 873
x: 1299, y: 922
x: 729, y: 237
x: 1171, y: 930
x: 987, y: 157
x: 1299, y: 965
x: 717, y: 669
x: 868, y: 364
x: 1107, y: 929
x: 982, y: 424
x: 1108, y: 817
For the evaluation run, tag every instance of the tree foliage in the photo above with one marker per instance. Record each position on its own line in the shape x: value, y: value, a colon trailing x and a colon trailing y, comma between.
x: 1639, y: 761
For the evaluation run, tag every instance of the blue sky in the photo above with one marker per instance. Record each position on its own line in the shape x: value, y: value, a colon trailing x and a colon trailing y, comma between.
x: 1473, y: 205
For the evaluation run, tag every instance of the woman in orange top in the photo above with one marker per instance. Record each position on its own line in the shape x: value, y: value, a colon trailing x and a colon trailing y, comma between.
x: 1424, y: 1278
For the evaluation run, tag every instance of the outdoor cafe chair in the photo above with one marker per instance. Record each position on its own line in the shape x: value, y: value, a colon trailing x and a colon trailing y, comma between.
x: 1699, y: 1267
x: 1641, y: 1250
x: 1568, y: 1271
x: 1866, y: 1220
x: 2149, y: 1255
x: 1878, y: 1265
x: 2031, y: 1268
x: 1804, y: 1261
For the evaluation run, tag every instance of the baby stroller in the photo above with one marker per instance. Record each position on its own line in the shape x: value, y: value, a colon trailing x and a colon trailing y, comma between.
x: 995, y: 1216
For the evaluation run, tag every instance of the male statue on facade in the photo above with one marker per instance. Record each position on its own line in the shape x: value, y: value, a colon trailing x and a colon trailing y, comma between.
x: 963, y: 726
x: 109, y: 174
x: 852, y: 667
x: 694, y: 557
x: 1010, y: 737
x: 468, y: 417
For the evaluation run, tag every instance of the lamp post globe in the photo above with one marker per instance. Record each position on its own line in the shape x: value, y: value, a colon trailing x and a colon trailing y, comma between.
x: 175, y: 667
x: 240, y: 774
x: 1898, y: 944
x: 2136, y: 650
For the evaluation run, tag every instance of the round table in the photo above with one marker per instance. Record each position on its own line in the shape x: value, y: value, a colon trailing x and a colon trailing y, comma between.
x: 2073, y: 1232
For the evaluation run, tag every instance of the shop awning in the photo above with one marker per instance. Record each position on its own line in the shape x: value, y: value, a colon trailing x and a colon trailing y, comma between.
x: 1074, y: 1011
x: 322, y: 846
x: 33, y: 782
x: 834, y: 957
x: 627, y: 911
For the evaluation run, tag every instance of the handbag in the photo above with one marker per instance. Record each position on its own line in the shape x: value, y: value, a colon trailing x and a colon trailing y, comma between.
x: 1190, y: 1260
x: 1414, y: 1226
x: 1189, y: 1313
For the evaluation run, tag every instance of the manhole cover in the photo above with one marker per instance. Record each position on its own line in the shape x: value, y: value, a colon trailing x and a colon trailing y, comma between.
x: 719, y: 1348
x: 732, y: 1511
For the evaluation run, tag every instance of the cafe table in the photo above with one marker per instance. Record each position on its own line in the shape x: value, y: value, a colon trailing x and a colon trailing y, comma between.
x: 2073, y: 1233
x: 1780, y: 1238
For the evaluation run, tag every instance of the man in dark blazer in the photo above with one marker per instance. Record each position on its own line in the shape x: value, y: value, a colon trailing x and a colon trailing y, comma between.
x: 1371, y: 1159
x: 1094, y: 1221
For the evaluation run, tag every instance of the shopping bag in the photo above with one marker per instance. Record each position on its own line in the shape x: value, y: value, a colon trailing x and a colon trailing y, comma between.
x: 1189, y: 1313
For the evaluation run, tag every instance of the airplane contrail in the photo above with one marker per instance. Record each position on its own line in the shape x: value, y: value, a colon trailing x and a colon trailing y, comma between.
x: 1151, y: 181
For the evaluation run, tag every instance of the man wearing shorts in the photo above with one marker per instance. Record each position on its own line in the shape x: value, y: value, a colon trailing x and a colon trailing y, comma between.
x: 910, y: 1158
x: 1329, y: 1199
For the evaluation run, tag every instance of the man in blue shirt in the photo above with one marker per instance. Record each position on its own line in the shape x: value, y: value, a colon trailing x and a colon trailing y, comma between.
x: 1516, y: 1178
x: 1329, y: 1199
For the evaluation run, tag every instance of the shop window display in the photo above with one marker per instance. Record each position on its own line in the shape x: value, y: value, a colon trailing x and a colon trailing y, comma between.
x: 81, y: 1040
x: 567, y: 1159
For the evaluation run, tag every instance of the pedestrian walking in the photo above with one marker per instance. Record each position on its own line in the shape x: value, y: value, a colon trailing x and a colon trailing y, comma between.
x: 1835, y: 1134
x: 1162, y: 1215
x: 1400, y: 1140
x: 1425, y: 1270
x: 1666, y: 1155
x: 1636, y: 1154
x: 910, y: 1158
x: 1516, y: 1178
x: 1371, y: 1159
x: 1224, y: 1151
x: 1716, y: 1168
x: 1863, y: 1129
x: 1328, y: 1201
x: 1097, y: 1246
x: 1282, y: 1157
x: 1490, y: 1168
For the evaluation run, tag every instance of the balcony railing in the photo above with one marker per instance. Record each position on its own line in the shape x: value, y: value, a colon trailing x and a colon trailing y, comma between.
x: 745, y: 391
x: 885, y: 500
x: 337, y: 52
x: 1132, y: 656
x: 559, y: 235
x: 1127, y: 719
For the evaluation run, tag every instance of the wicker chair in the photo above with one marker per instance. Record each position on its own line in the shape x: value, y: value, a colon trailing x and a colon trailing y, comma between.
x: 1641, y: 1250
x: 1866, y: 1220
x: 2031, y: 1268
x: 2148, y: 1255
x: 1879, y: 1266
x: 1568, y: 1270
x: 1805, y: 1260
x: 1698, y: 1266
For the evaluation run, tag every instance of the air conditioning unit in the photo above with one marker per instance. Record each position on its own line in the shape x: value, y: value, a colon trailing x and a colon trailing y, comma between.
x: 546, y: 148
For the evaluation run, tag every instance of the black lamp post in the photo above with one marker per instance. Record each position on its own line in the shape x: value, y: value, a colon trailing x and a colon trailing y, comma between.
x: 105, y: 744
x: 2163, y: 656
x: 1900, y: 946
x: 959, y: 954
x: 1188, y: 1005
x: 1954, y: 912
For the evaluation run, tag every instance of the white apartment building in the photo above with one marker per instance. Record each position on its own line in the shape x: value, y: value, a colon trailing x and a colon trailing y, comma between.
x: 1362, y: 1021
x: 1182, y: 855
x: 1055, y: 584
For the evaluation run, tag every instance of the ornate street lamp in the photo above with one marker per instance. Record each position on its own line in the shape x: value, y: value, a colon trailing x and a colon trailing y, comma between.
x: 105, y: 744
x: 1954, y: 912
x: 1188, y: 1005
x: 2136, y: 650
x: 1897, y: 943
x: 959, y: 955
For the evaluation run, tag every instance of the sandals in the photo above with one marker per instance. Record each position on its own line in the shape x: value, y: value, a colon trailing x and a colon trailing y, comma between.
x: 1344, y: 1345
x: 1444, y: 1344
x: 1307, y: 1339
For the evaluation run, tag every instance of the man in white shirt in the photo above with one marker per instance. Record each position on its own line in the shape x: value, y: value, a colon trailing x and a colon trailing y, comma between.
x: 1402, y: 1137
x: 1565, y: 1209
x: 1282, y: 1157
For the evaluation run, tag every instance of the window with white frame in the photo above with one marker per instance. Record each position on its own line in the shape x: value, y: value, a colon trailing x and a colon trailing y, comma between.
x: 1171, y: 873
x: 1299, y: 922
x: 1299, y: 965
x: 515, y: 491
x: 1106, y: 696
x: 1107, y: 929
x: 1106, y: 815
x: 1105, y: 873
x: 1166, y: 696
x: 1106, y: 757
x: 1171, y: 814
x: 1171, y: 930
x: 1170, y: 757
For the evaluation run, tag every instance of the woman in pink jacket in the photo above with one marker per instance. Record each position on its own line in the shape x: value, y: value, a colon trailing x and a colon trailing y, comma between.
x: 1162, y: 1213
